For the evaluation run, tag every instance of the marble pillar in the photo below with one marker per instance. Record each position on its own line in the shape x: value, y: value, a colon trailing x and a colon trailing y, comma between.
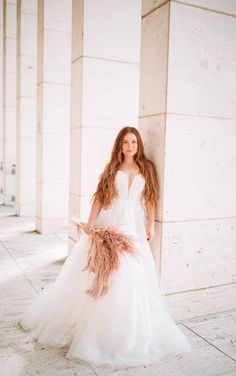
x: 26, y: 106
x: 1, y: 102
x: 9, y: 102
x: 105, y: 85
x: 187, y: 118
x: 53, y: 114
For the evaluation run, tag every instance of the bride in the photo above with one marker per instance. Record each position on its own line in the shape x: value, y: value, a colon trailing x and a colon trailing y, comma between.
x: 130, y: 324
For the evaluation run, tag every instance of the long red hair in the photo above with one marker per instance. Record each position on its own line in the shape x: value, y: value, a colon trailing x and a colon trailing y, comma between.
x: 106, y: 191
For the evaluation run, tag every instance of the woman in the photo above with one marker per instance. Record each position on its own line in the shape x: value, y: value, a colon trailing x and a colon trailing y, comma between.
x: 130, y: 324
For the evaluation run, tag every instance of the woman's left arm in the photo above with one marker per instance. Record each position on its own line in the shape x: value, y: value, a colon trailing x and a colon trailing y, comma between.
x: 150, y: 222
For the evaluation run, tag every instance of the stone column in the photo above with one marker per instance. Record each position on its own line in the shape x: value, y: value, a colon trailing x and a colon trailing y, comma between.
x: 9, y: 102
x: 1, y: 102
x: 53, y: 113
x: 26, y: 106
x: 105, y: 81
x: 187, y: 118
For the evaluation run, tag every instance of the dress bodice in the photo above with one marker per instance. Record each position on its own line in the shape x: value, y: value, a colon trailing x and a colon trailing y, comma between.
x: 127, y: 210
x: 134, y: 192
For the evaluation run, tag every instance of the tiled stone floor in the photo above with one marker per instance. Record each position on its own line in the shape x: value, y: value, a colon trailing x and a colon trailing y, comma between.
x: 30, y: 261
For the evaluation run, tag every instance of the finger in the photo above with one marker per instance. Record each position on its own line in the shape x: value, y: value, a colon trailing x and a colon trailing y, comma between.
x: 79, y: 230
x: 81, y: 224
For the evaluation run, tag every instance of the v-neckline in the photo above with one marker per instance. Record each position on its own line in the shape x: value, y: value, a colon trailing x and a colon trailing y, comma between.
x: 129, y: 187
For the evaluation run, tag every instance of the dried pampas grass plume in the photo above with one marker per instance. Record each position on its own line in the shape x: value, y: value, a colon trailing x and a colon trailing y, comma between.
x: 107, y: 244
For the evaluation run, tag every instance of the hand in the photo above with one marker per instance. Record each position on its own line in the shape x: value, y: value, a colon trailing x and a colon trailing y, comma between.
x: 150, y: 232
x: 86, y: 227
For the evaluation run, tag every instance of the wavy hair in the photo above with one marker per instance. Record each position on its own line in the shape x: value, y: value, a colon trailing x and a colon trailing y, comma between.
x: 106, y: 191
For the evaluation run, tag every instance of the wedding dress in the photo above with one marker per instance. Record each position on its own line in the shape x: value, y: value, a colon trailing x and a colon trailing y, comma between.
x: 130, y: 325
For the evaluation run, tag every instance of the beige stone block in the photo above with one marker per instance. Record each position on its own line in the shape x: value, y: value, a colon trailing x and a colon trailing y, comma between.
x: 27, y: 192
x: 154, y: 61
x: 27, y: 155
x: 28, y: 42
x: 58, y: 15
x: 217, y: 330
x: 55, y: 201
x: 40, y: 57
x: 8, y: 201
x: 39, y: 158
x: 75, y: 160
x: 10, y: 188
x: 18, y: 77
x: 81, y: 209
x: 1, y: 15
x: 11, y: 1
x: 116, y: 43
x: 39, y: 107
x: 56, y: 108
x: 199, y: 254
x: 40, y: 16
x: 10, y: 89
x: 47, y: 226
x: 10, y: 154
x: 18, y: 116
x: 74, y: 234
x: 55, y: 158
x: 38, y: 195
x: 25, y: 210
x: 74, y: 205
x: 156, y: 247
x: 27, y: 115
x: 228, y: 6
x: 76, y: 93
x: 200, y: 161
x: 95, y: 155
x: 10, y: 122
x: 57, y: 56
x: 150, y: 5
x: 74, y: 211
x: 153, y: 131
x: 27, y: 76
x: 10, y: 20
x: 198, y: 82
x: 85, y: 207
x: 10, y: 55
x: 77, y: 29
x: 29, y: 7
x: 113, y: 101
x: 200, y: 302
x: 52, y: 152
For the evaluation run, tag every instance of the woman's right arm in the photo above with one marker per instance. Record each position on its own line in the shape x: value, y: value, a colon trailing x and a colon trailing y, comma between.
x: 95, y: 209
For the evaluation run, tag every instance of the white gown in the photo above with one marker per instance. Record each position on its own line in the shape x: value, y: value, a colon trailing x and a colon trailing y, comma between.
x: 130, y: 325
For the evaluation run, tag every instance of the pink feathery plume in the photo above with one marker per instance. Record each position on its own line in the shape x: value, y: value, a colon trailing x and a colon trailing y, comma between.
x: 107, y: 244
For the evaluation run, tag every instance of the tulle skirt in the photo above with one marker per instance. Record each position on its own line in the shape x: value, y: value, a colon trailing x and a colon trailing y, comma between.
x: 128, y: 326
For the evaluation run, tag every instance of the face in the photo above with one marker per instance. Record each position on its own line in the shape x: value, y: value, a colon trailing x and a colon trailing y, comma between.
x: 129, y: 145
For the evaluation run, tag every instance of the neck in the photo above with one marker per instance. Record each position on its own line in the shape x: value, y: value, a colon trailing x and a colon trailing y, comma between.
x: 128, y: 160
